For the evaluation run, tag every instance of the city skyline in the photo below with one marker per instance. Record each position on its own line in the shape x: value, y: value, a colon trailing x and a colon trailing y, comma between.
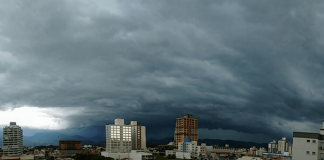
x: 129, y: 140
x: 247, y: 70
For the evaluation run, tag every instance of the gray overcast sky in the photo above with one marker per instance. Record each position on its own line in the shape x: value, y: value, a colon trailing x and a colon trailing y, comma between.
x: 250, y: 68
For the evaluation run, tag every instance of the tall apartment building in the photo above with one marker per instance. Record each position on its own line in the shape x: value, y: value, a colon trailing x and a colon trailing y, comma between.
x: 283, y: 145
x: 308, y: 145
x: 138, y: 136
x: 186, y: 126
x: 272, y: 147
x: 12, y: 143
x: 122, y: 138
x: 118, y: 137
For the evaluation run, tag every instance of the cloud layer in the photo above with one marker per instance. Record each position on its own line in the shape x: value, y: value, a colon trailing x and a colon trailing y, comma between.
x: 247, y: 66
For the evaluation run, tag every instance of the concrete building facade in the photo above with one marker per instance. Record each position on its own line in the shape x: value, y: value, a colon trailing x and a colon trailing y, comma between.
x: 12, y: 143
x: 118, y: 137
x: 69, y: 147
x: 308, y: 145
x: 186, y: 126
x: 189, y: 147
x: 201, y: 152
x: 138, y: 136
x: 283, y: 145
x: 69, y: 144
x: 170, y: 152
x: 272, y: 147
x: 133, y: 155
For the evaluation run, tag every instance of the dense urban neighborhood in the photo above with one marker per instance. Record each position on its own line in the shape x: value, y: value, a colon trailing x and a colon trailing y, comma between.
x: 128, y: 142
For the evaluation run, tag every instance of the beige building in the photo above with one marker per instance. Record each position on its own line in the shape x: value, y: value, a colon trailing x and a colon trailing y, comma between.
x: 272, y: 147
x: 118, y: 137
x: 283, y: 145
x: 122, y: 138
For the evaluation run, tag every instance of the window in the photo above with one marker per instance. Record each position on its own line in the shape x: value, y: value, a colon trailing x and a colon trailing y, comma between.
x: 313, y: 153
x: 307, y: 152
x: 314, y: 141
x: 308, y: 140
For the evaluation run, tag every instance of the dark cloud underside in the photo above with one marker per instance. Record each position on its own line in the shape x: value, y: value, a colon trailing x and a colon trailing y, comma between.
x: 249, y: 66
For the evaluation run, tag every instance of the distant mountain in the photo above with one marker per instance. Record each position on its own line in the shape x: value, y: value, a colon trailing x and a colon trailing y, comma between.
x: 151, y: 141
x: 0, y: 141
x: 53, y: 139
x: 231, y: 143
x: 98, y: 138
x: 87, y: 132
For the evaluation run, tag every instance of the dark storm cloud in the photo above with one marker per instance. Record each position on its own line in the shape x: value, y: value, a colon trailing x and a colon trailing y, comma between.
x: 248, y: 66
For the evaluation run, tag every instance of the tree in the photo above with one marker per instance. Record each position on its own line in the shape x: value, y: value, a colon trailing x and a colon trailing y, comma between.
x: 171, y: 156
x: 160, y: 158
x: 92, y: 157
x: 51, y: 158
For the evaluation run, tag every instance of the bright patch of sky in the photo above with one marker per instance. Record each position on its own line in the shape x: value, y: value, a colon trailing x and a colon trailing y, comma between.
x: 37, y: 118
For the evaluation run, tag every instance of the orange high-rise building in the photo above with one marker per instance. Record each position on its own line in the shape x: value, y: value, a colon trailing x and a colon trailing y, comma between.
x: 186, y: 126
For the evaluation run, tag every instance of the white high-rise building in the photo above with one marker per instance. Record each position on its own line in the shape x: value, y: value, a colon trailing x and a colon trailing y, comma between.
x: 121, y: 138
x: 189, y: 147
x: 283, y: 145
x: 308, y: 145
x: 138, y: 136
x: 272, y: 147
x: 12, y: 143
x: 118, y: 137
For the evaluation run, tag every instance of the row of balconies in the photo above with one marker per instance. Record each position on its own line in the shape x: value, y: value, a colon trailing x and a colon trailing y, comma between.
x: 186, y: 123
x: 177, y: 133
x: 11, y: 146
x: 182, y: 130
x: 12, y: 129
